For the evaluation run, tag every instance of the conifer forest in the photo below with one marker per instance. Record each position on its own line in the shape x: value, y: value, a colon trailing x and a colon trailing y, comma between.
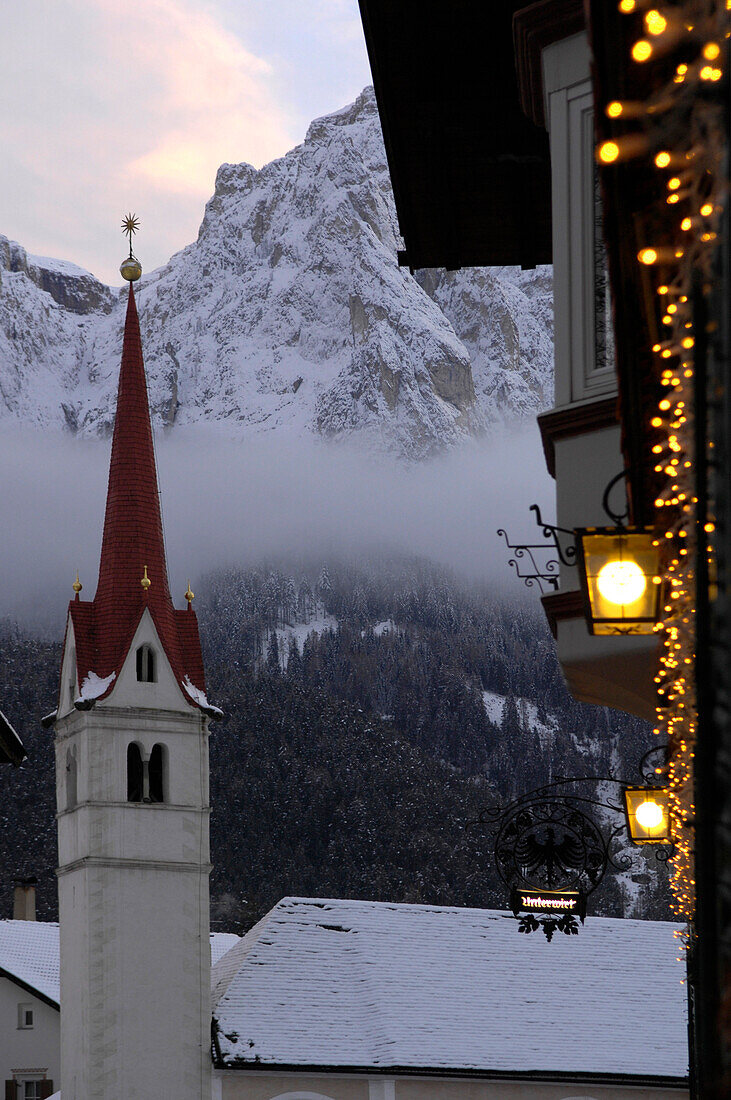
x: 372, y: 710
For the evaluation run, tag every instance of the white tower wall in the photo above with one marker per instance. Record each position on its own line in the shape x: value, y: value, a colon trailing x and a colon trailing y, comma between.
x: 133, y: 900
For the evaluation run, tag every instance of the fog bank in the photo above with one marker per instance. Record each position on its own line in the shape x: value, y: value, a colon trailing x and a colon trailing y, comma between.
x: 230, y: 503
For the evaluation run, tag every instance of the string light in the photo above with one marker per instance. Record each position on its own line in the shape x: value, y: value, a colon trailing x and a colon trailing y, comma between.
x: 655, y: 22
x: 642, y: 50
x: 694, y: 155
x: 608, y: 152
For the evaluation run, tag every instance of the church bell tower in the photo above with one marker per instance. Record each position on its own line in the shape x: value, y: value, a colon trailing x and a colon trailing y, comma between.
x: 132, y: 794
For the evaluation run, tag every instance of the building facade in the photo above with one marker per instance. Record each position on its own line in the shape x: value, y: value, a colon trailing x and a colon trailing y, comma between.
x: 30, y: 1054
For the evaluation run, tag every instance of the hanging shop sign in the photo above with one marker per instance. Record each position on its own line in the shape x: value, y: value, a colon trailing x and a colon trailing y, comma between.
x: 549, y: 902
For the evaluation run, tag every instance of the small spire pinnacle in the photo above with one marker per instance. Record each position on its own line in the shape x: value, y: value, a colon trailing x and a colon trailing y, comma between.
x: 77, y: 585
x: 130, y: 268
x: 145, y: 581
x: 190, y: 596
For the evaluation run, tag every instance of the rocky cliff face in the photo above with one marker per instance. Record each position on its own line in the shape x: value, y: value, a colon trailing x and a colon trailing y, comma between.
x: 288, y: 312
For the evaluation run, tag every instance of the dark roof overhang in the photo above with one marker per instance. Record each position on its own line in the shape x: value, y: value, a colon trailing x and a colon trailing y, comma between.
x: 470, y: 173
x: 619, y: 1079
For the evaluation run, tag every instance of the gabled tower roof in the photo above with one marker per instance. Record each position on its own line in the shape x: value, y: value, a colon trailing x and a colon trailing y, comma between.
x: 133, y: 547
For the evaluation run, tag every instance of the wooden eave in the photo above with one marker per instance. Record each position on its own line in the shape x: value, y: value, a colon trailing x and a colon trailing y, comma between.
x: 470, y: 173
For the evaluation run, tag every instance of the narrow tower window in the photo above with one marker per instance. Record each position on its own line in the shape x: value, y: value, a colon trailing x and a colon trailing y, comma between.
x: 146, y: 665
x: 158, y: 762
x: 72, y: 677
x: 134, y: 773
x: 70, y: 779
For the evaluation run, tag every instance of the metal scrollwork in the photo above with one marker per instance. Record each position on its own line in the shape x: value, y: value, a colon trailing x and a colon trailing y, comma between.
x: 541, y: 570
x: 548, y: 925
x: 550, y: 844
x: 653, y: 767
x: 619, y: 519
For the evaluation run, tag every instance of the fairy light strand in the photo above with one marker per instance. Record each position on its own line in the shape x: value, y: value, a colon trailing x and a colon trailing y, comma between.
x: 695, y: 192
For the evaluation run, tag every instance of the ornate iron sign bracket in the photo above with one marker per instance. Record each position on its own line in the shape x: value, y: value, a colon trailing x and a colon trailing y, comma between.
x: 550, y: 852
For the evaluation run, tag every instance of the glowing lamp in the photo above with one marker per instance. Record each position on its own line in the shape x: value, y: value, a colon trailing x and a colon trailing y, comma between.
x: 648, y: 815
x: 620, y: 579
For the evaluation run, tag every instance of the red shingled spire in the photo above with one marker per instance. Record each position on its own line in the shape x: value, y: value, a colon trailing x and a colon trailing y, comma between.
x: 132, y: 525
x: 133, y: 540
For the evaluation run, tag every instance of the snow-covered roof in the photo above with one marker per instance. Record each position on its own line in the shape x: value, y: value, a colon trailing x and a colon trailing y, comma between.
x: 371, y: 984
x: 29, y: 951
x: 221, y: 942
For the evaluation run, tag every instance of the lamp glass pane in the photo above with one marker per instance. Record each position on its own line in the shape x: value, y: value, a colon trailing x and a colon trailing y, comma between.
x: 620, y: 577
x: 648, y: 815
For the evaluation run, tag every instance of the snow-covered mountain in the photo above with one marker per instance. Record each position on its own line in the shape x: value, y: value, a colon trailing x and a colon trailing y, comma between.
x: 288, y: 312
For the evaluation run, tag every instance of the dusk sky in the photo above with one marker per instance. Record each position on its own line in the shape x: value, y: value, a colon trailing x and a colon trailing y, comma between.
x: 110, y: 107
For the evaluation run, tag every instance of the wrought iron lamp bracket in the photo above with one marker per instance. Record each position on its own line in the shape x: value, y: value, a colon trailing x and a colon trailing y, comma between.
x: 541, y: 572
x: 619, y: 519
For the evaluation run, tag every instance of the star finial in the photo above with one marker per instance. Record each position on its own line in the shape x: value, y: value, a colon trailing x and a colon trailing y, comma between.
x: 130, y: 225
x: 131, y: 268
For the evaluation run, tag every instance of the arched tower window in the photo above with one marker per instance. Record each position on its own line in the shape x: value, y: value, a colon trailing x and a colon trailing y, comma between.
x: 146, y: 671
x: 158, y: 773
x: 71, y: 779
x: 135, y: 773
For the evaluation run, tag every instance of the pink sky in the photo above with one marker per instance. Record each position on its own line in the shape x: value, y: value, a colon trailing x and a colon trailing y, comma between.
x: 109, y: 107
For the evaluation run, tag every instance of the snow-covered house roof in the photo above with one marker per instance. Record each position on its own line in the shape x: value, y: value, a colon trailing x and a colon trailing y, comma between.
x: 221, y: 942
x: 29, y: 955
x: 364, y: 985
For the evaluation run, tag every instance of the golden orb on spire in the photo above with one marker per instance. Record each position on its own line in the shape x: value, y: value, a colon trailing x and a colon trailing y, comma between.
x: 77, y: 585
x: 190, y: 594
x: 145, y: 581
x: 130, y: 268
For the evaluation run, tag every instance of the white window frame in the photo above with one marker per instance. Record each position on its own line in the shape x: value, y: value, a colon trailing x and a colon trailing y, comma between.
x: 569, y: 98
x: 23, y: 1007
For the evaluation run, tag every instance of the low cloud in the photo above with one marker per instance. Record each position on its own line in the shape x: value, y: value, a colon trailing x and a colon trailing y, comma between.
x: 242, y: 503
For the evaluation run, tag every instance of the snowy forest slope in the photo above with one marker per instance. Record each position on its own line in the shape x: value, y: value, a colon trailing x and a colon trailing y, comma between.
x: 372, y: 711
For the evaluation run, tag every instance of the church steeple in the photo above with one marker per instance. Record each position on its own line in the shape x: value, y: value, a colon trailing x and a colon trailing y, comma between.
x: 131, y: 743
x: 132, y: 570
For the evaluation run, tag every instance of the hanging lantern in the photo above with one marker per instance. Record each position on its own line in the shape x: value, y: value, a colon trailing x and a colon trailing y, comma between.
x: 648, y: 816
x: 620, y: 579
